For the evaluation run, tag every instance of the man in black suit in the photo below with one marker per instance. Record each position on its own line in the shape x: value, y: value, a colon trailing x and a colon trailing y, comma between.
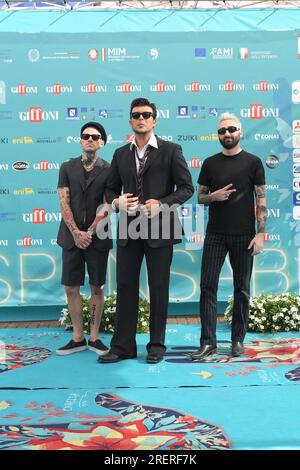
x: 81, y: 190
x: 147, y: 170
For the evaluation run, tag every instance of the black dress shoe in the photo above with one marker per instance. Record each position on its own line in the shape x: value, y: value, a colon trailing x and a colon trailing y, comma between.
x: 153, y: 358
x: 237, y: 348
x: 203, y: 352
x: 111, y: 357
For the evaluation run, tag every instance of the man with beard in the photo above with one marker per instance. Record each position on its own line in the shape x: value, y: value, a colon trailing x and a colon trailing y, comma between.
x: 227, y: 184
x: 81, y: 191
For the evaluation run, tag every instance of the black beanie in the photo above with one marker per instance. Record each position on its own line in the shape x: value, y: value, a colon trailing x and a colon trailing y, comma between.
x: 97, y: 126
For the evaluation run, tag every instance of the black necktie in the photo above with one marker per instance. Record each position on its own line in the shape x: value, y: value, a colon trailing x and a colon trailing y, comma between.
x: 142, y: 162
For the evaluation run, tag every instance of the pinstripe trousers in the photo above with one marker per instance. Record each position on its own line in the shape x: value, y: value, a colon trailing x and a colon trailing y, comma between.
x: 216, y: 246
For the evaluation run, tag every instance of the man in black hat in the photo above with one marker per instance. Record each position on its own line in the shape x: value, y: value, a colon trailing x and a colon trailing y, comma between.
x: 81, y: 191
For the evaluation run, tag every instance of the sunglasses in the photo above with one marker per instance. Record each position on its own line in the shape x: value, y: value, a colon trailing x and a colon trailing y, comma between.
x: 230, y: 129
x: 95, y: 137
x: 146, y: 115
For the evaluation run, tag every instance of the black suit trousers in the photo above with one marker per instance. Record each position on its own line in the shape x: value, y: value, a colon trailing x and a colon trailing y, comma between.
x: 216, y: 246
x: 129, y: 261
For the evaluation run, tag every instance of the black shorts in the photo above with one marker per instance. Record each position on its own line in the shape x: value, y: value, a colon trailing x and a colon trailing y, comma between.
x: 73, y: 266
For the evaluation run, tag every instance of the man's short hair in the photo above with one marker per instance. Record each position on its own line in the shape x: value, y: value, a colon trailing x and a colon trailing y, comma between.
x: 143, y: 102
x: 226, y: 116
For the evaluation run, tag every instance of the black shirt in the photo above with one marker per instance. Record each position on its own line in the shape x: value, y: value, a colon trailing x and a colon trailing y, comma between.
x: 243, y: 171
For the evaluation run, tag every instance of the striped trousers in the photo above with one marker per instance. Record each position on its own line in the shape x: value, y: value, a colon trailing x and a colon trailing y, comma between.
x: 216, y: 246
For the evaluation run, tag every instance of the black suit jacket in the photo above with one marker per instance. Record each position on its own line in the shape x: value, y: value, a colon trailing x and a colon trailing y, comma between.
x: 85, y: 197
x: 165, y: 177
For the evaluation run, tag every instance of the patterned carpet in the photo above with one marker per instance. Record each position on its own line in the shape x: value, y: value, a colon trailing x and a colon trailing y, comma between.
x: 49, y: 402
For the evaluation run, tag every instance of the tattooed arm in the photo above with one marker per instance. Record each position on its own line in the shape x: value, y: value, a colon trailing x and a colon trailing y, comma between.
x: 261, y: 215
x: 206, y: 198
x: 82, y: 239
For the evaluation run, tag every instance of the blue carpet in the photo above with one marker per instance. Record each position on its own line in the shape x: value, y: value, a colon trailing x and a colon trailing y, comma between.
x: 72, y: 402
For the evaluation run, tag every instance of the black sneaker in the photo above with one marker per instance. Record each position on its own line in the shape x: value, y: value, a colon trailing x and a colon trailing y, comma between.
x: 72, y: 347
x: 98, y: 347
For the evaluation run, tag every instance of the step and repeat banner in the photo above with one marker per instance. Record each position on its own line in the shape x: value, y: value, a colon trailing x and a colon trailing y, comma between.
x: 51, y: 83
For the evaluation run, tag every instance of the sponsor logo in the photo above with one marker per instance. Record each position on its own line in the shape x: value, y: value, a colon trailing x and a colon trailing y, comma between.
x: 129, y: 138
x: 23, y: 89
x: 296, y: 127
x: 274, y: 213
x: 83, y: 113
x: 44, y: 165
x: 216, y: 112
x: 256, y: 111
x: 2, y: 92
x: 200, y: 53
x: 270, y: 237
x: 163, y: 113
x: 296, y: 141
x: 194, y: 163
x: 209, y: 138
x: 186, y: 212
x: 5, y: 115
x: 296, y: 169
x: 263, y: 55
x: 265, y: 86
x: 8, y: 216
x: 93, y: 55
x: 196, y: 87
x: 162, y: 87
x: 230, y: 86
x: 222, y: 52
x: 20, y: 166
x: 110, y: 140
x: 36, y: 115
x: 154, y: 54
x: 168, y: 138
x: 296, y: 155
x: 34, y: 55
x: 58, y: 89
x: 116, y: 54
x: 22, y: 140
x: 27, y: 241
x: 4, y: 191
x: 272, y: 161
x: 183, y: 112
x: 296, y: 213
x: 296, y: 92
x: 111, y: 113
x: 47, y: 191
x: 48, y: 140
x: 65, y: 55
x: 72, y: 140
x: 296, y: 198
x: 40, y: 216
x: 187, y: 138
x: 195, y: 238
x: 243, y: 53
x: 93, y: 88
x: 127, y: 87
x: 23, y: 192
x: 259, y: 136
x: 296, y: 184
x: 3, y: 140
x: 5, y: 56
